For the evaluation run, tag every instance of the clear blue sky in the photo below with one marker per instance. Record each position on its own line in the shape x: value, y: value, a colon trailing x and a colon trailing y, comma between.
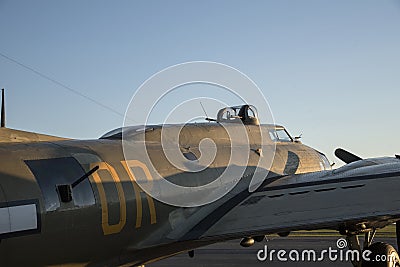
x: 330, y: 69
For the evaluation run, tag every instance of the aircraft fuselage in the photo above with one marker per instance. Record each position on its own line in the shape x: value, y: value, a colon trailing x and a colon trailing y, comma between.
x: 109, y: 219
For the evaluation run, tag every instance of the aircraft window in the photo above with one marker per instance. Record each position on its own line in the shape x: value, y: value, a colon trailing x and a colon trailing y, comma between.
x: 128, y: 131
x: 52, y: 172
x: 273, y: 135
x: 251, y: 113
x: 226, y: 115
x: 114, y: 134
x: 229, y: 115
x: 280, y: 135
x: 190, y: 156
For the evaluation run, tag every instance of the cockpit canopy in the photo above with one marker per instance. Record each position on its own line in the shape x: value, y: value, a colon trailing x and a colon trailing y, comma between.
x: 246, y: 114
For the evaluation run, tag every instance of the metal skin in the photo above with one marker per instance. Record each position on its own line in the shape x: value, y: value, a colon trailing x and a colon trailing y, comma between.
x: 121, y: 224
x: 110, y: 221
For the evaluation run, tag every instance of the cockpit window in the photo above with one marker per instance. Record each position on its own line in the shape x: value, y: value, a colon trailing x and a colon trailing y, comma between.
x: 229, y: 114
x: 251, y: 113
x: 280, y: 135
x: 246, y: 114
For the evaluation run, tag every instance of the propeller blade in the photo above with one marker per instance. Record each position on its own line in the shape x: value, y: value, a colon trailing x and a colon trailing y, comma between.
x: 346, y: 156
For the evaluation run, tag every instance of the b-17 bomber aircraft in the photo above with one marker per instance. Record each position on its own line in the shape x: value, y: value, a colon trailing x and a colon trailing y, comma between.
x: 70, y: 202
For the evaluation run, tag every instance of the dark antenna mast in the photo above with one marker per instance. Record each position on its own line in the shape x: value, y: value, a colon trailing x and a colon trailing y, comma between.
x: 207, y: 118
x: 201, y: 104
x: 3, y: 110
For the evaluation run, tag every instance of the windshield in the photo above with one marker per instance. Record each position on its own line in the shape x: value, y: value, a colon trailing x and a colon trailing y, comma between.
x: 280, y: 135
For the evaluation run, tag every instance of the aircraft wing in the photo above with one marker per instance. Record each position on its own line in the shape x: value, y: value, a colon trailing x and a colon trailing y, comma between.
x: 362, y: 191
